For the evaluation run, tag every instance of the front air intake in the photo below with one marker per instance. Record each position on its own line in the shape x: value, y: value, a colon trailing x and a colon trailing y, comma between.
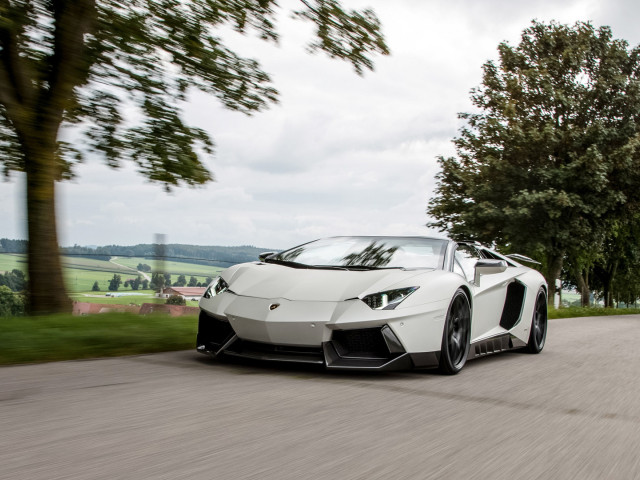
x: 213, y: 332
x: 360, y: 343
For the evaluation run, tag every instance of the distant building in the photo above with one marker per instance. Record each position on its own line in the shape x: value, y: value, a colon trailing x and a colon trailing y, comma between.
x: 188, y: 293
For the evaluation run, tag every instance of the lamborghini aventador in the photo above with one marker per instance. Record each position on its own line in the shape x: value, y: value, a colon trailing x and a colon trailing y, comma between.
x: 375, y: 303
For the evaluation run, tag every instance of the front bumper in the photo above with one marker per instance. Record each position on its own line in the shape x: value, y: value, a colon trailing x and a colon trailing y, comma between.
x: 374, y: 348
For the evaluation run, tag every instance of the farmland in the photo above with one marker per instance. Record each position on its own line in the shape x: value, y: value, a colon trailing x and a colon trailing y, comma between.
x: 80, y: 273
x: 174, y: 268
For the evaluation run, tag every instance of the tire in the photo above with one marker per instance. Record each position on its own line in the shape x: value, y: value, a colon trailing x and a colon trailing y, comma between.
x: 538, y: 333
x: 456, y: 335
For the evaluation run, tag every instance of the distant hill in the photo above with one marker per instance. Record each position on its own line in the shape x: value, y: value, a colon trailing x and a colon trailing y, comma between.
x: 198, y: 254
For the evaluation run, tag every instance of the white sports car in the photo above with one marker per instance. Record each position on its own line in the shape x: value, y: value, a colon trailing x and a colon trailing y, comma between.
x: 375, y: 303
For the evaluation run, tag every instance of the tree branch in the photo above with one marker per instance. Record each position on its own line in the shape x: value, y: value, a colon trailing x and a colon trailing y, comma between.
x: 15, y: 87
x: 68, y: 64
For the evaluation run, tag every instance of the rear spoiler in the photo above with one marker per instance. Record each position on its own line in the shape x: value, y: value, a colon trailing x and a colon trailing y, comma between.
x: 522, y: 258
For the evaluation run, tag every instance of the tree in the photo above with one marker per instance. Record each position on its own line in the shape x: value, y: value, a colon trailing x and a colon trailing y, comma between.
x: 143, y: 267
x: 145, y: 284
x: 157, y: 281
x: 193, y: 282
x: 96, y: 287
x: 11, y: 303
x: 14, y: 279
x: 82, y: 62
x: 115, y: 283
x: 553, y: 150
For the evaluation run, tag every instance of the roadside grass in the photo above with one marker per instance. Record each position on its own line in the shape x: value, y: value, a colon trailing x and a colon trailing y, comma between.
x: 65, y: 337
x: 570, y: 312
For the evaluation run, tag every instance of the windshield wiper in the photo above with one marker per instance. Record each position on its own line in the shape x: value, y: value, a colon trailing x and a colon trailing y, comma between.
x: 286, y: 263
x: 367, y: 267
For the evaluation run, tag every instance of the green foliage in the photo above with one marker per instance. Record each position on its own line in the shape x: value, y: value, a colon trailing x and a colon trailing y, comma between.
x: 13, y: 246
x: 145, y: 284
x: 193, y: 282
x: 14, y: 280
x: 553, y: 153
x: 65, y: 337
x: 157, y: 281
x: 176, y: 300
x: 97, y: 57
x: 115, y: 283
x: 96, y: 287
x: 181, y: 282
x: 81, y: 63
x: 12, y: 304
x: 143, y: 267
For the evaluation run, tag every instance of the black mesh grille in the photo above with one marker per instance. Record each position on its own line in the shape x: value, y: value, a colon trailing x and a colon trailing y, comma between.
x: 213, y: 332
x: 361, y: 343
x: 246, y: 345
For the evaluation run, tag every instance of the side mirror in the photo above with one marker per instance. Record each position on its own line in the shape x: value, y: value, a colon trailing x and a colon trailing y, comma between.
x: 264, y: 255
x: 488, y: 266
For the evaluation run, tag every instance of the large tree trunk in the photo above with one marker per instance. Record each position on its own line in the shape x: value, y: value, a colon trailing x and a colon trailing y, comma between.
x: 583, y: 288
x: 553, y: 270
x: 610, y: 273
x: 47, y: 293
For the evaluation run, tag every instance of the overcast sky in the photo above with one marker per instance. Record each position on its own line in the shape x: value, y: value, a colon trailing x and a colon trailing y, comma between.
x: 339, y: 155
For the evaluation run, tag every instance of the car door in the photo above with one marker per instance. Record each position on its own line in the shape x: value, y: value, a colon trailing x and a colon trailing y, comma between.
x: 489, y: 292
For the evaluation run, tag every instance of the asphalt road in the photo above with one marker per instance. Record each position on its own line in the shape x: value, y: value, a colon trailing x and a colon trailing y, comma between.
x: 571, y: 412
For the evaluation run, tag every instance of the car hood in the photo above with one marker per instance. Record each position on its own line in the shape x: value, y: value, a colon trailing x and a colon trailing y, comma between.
x: 277, y: 281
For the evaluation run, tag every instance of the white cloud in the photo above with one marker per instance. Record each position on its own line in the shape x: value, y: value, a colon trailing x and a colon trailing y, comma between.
x: 340, y: 154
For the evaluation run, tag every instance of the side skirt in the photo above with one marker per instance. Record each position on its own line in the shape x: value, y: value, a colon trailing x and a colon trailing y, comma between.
x: 500, y: 343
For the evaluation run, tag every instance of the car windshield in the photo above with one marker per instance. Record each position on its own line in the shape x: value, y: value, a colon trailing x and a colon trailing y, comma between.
x: 366, y: 253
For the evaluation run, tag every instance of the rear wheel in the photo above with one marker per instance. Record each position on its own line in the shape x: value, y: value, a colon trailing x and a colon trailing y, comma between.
x: 538, y: 332
x: 456, y: 334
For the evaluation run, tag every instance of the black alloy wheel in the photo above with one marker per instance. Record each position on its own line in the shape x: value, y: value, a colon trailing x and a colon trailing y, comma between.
x: 456, y: 335
x: 538, y: 333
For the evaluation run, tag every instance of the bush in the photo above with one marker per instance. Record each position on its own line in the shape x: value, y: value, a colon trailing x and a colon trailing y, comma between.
x: 176, y: 300
x: 11, y: 304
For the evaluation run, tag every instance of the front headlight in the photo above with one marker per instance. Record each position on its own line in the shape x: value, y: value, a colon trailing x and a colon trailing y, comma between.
x: 216, y: 288
x: 388, y: 300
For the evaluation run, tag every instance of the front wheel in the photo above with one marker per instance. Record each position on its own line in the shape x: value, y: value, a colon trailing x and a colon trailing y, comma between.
x: 456, y: 335
x: 538, y: 332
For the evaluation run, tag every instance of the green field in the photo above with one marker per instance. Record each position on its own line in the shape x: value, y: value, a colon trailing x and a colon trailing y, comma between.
x: 174, y: 268
x: 11, y: 261
x: 80, y: 273
x: 148, y: 296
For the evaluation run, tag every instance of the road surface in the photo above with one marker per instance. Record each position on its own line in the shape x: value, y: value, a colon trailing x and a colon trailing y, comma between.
x: 571, y: 412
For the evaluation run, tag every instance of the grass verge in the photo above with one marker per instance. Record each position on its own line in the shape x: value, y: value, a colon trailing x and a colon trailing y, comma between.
x: 65, y: 337
x: 570, y: 312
